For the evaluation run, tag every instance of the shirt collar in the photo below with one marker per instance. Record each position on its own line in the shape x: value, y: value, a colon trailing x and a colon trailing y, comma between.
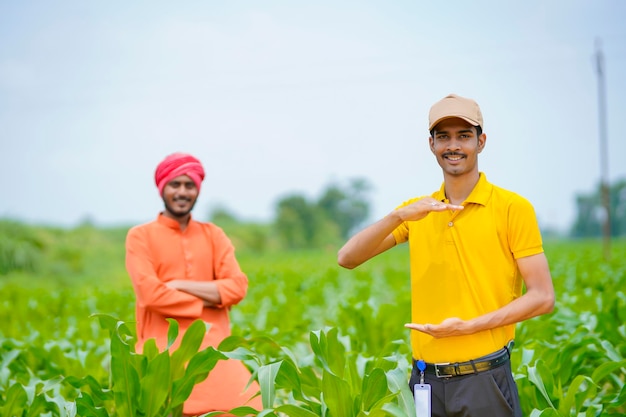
x: 169, y: 222
x: 479, y: 195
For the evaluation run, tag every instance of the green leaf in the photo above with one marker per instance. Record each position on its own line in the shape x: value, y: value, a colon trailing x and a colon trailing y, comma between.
x: 266, y: 413
x: 267, y: 377
x: 107, y: 322
x: 311, y: 382
x: 611, y: 352
x: 567, y: 403
x: 125, y: 379
x: 605, y: 369
x: 16, y: 400
x: 394, y: 410
x: 317, y: 340
x: 239, y: 412
x: 621, y: 398
x: 335, y: 352
x: 549, y: 412
x: 295, y: 411
x: 86, y: 407
x: 190, y: 344
x: 8, y: 357
x: 150, y: 349
x: 397, y: 380
x: 99, y: 393
x: 289, y: 378
x: 172, y: 332
x: 240, y: 353
x: 374, y: 388
x: 155, y: 386
x: 243, y: 411
x: 49, y: 384
x: 527, y: 356
x: 39, y: 406
x: 534, y: 376
x: 329, y: 350
x: 197, y: 370
x: 336, y: 395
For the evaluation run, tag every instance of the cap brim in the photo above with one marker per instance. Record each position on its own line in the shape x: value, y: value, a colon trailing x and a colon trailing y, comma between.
x: 467, y: 119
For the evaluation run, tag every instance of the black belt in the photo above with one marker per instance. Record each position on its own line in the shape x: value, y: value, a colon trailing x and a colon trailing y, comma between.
x: 485, y: 363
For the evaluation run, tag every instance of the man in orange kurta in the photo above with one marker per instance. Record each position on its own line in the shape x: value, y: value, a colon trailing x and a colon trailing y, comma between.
x: 186, y: 270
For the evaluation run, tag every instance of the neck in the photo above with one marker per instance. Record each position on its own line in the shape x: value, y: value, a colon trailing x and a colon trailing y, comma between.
x: 458, y: 188
x: 182, y: 220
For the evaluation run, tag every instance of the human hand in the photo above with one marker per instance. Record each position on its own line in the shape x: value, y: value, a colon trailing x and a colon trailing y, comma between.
x: 421, y: 208
x: 173, y: 284
x: 452, y: 326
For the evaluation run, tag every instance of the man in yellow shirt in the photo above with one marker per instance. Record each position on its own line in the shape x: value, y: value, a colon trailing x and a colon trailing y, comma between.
x: 473, y: 246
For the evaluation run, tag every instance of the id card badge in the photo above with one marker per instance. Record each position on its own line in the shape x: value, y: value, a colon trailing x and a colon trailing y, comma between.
x: 422, y: 394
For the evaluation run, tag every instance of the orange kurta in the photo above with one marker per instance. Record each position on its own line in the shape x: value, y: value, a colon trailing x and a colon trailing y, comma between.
x: 158, y: 252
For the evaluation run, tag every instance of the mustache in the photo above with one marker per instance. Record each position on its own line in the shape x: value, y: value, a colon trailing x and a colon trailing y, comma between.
x: 453, y: 154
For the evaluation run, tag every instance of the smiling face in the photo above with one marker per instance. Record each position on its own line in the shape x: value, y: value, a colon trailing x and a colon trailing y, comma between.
x: 456, y: 145
x: 179, y: 197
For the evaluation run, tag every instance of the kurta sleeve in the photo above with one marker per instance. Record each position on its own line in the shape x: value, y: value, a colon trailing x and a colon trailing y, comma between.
x: 152, y: 293
x: 231, y: 282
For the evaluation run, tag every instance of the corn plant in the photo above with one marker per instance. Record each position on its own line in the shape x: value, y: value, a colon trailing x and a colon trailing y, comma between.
x: 57, y: 361
x: 24, y: 394
x: 153, y: 383
x: 330, y: 381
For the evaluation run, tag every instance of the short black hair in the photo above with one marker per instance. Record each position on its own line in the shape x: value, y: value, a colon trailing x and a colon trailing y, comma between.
x: 479, y: 131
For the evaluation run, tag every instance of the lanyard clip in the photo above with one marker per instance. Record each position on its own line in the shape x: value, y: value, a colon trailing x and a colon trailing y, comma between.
x: 421, y: 365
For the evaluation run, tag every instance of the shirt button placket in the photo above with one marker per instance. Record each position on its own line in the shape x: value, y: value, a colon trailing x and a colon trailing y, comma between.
x: 187, y: 256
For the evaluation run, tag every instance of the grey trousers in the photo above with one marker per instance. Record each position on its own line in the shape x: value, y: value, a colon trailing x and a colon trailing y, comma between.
x: 490, y: 393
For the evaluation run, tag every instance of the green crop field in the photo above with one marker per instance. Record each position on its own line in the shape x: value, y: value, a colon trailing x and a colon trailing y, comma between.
x: 322, y: 341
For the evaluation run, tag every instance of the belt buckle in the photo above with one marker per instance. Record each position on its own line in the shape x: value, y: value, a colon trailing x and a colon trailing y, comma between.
x: 437, y: 365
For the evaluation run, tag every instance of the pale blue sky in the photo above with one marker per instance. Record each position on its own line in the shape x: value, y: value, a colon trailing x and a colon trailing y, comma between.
x: 281, y: 97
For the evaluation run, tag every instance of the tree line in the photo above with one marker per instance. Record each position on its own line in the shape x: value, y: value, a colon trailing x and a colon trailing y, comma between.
x: 304, y: 223
x: 300, y: 223
x: 590, y: 213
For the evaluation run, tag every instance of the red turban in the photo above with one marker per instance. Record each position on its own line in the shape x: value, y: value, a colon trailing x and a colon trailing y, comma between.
x: 175, y: 165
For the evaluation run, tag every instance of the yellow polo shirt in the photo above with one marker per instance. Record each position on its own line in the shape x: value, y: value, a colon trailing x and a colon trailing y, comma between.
x: 463, y: 265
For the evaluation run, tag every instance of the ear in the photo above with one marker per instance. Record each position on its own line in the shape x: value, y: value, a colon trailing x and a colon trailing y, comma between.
x: 431, y: 144
x: 482, y: 140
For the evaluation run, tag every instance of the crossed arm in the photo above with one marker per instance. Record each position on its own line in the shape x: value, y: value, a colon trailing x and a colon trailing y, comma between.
x: 206, y: 291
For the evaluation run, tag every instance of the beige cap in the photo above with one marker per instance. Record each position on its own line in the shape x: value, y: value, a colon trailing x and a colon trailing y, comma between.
x: 453, y: 105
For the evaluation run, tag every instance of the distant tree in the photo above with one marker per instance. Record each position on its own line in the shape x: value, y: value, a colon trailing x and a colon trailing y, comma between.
x: 346, y: 207
x: 590, y: 213
x: 221, y: 214
x: 21, y: 247
x: 297, y: 221
x: 618, y: 221
x: 244, y: 235
x: 301, y: 223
